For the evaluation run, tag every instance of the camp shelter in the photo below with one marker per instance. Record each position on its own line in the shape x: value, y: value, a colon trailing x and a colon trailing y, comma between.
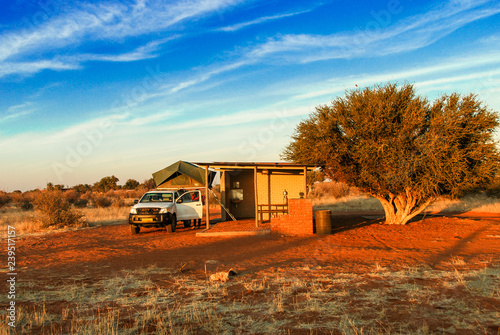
x: 182, y: 175
x: 259, y: 190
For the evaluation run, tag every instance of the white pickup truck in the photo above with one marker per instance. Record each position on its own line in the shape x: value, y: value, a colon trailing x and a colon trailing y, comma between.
x: 163, y: 208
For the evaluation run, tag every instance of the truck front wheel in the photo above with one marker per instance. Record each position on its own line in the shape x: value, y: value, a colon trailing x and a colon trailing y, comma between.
x: 172, y: 225
x: 135, y: 229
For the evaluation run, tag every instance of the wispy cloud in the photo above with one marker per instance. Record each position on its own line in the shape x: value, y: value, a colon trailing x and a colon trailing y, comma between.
x: 111, y: 22
x: 31, y: 67
x: 238, y: 26
x: 143, y: 52
x: 396, y: 36
x: 443, y: 71
x: 17, y: 111
x: 150, y: 119
x: 390, y: 37
x: 207, y: 74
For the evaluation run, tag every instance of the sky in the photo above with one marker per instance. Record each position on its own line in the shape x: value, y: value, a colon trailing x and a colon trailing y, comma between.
x: 126, y: 88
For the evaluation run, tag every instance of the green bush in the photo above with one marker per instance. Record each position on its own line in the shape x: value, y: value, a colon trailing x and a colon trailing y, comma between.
x: 56, y: 211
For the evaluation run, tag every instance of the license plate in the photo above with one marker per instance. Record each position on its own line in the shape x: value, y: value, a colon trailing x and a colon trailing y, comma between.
x: 147, y: 220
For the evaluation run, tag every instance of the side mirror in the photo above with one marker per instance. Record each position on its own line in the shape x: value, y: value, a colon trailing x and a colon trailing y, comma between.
x: 179, y: 201
x: 136, y: 201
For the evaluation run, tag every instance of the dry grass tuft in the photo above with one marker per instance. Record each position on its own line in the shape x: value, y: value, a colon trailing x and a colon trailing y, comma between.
x: 274, y: 301
x: 27, y: 222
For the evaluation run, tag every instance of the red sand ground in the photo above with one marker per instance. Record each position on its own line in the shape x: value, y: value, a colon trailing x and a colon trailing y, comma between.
x: 358, y: 243
x: 357, y: 246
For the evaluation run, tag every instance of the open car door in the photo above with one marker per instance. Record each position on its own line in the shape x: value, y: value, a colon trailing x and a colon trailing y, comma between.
x: 189, y: 206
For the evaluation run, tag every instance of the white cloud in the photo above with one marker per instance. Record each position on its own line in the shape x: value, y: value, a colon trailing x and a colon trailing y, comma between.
x: 31, y: 67
x: 409, y: 34
x: 149, y: 119
x: 17, y: 111
x: 260, y: 20
x: 109, y: 22
x: 143, y: 52
x: 379, y: 37
x: 207, y: 74
x: 442, y: 70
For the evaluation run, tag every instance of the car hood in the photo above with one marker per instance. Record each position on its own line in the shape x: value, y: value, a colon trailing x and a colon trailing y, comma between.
x: 154, y: 205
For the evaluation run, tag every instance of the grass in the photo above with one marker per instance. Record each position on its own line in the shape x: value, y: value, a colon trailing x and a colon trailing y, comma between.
x: 413, y: 300
x: 26, y: 222
x: 361, y: 203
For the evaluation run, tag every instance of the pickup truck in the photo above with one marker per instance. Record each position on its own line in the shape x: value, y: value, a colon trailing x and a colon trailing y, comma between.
x: 163, y: 208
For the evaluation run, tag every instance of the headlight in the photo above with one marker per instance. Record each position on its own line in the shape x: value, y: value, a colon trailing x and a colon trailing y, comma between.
x: 163, y: 210
x: 133, y: 210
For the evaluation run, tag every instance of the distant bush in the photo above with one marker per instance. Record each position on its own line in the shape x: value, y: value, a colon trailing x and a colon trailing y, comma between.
x: 24, y: 200
x: 212, y: 201
x: 26, y: 205
x: 332, y: 189
x: 81, y: 203
x: 71, y: 195
x: 56, y: 211
x: 102, y: 201
x: 4, y: 199
x: 118, y: 203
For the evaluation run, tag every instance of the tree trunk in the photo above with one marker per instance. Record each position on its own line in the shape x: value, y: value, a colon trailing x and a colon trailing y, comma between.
x: 400, y: 209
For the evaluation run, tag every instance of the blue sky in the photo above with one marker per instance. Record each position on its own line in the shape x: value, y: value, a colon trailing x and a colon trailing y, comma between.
x: 126, y: 88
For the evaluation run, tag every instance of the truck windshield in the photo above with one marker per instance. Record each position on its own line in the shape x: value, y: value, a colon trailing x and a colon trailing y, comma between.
x: 157, y: 197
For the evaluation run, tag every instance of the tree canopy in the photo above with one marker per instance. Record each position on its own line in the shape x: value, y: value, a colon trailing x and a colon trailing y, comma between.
x: 106, y: 184
x: 131, y: 184
x: 399, y: 147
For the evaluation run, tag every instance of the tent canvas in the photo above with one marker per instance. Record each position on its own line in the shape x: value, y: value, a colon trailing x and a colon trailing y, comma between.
x: 182, y: 175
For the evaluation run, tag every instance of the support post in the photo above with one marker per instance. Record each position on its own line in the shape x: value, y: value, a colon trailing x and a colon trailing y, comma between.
x: 207, y: 205
x: 305, y: 182
x: 256, y: 196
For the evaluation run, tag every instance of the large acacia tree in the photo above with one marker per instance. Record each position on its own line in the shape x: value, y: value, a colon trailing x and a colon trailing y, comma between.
x: 399, y: 147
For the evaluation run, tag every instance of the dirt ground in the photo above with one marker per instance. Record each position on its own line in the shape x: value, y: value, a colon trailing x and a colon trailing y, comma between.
x: 359, y: 246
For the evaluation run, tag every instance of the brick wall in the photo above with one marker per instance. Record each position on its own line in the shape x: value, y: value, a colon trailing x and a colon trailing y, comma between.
x: 298, y: 221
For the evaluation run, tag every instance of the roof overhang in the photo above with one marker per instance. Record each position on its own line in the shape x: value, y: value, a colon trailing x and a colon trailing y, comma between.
x: 259, y: 165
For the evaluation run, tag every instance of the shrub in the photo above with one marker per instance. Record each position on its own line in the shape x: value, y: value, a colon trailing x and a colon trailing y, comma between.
x: 24, y: 200
x: 331, y: 189
x: 26, y: 205
x: 4, y: 199
x: 119, y: 203
x: 81, y: 203
x: 56, y: 211
x: 212, y: 201
x: 71, y: 196
x: 102, y: 201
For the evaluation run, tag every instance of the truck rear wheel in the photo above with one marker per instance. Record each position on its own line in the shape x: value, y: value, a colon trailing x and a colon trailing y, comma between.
x: 187, y: 223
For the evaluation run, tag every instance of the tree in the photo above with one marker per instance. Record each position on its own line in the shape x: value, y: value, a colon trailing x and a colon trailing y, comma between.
x: 106, y: 184
x: 82, y: 188
x: 149, y: 184
x: 399, y: 148
x: 315, y: 176
x: 131, y: 184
